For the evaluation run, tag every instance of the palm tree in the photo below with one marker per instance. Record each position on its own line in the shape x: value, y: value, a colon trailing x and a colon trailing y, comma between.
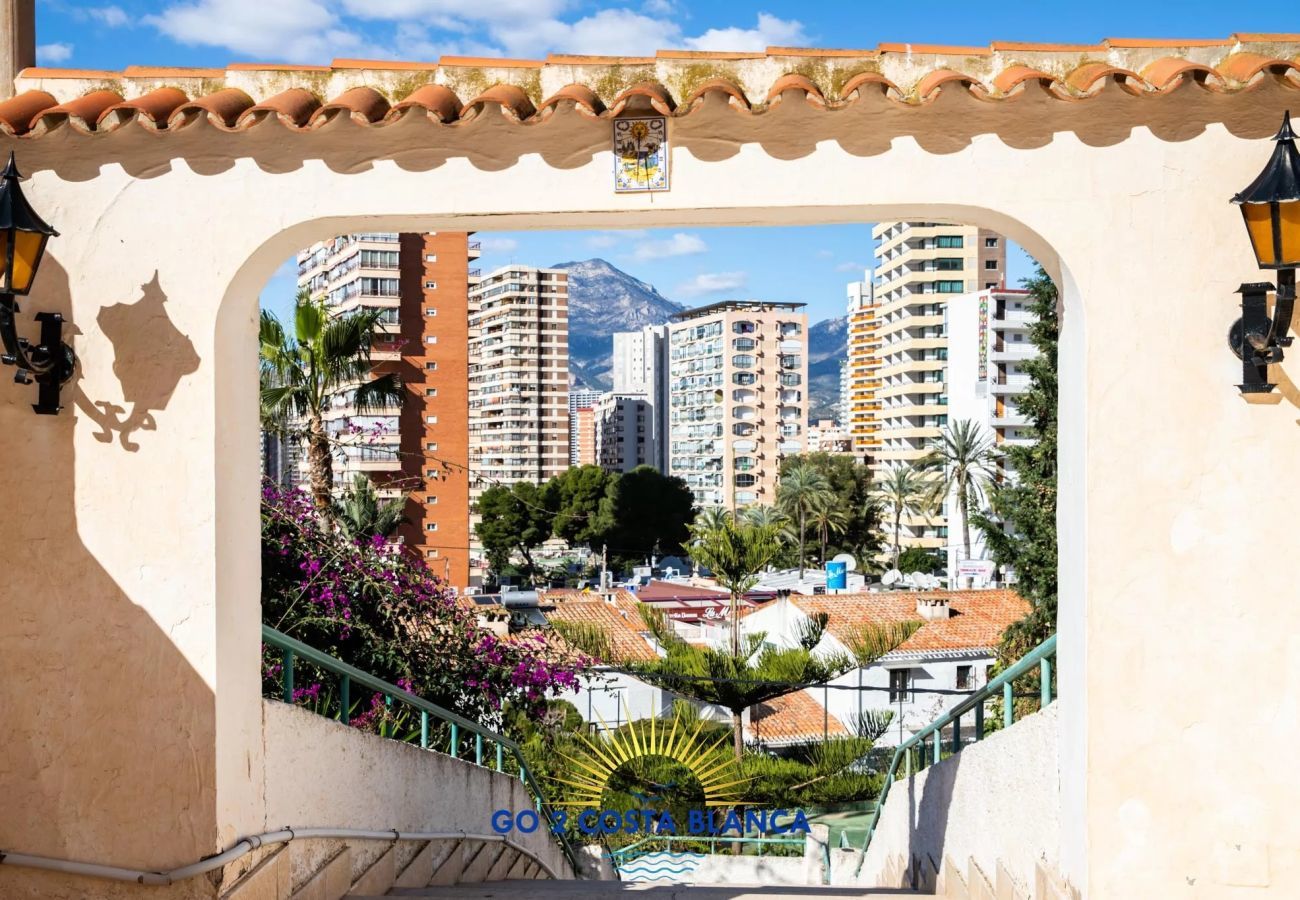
x: 763, y: 515
x: 801, y: 490
x: 326, y: 357
x: 361, y: 514
x: 710, y: 518
x: 904, y: 491
x: 965, y: 458
x: 827, y: 518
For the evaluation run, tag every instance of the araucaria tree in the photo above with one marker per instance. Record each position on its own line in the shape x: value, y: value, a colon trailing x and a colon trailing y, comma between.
x: 964, y: 459
x: 1021, y: 533
x: 301, y: 375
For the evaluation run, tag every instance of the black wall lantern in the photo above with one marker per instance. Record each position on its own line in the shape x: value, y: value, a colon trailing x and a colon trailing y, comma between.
x: 22, y: 244
x: 1271, y: 209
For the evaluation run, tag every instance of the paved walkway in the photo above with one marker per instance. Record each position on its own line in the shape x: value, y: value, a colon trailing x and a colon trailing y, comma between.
x: 596, y: 890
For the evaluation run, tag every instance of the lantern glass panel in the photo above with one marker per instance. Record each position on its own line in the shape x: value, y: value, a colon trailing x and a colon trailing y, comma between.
x: 1259, y: 223
x: 20, y: 268
x: 1290, y: 214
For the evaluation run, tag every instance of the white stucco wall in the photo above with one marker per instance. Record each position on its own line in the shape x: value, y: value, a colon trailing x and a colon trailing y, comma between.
x: 133, y: 531
x: 998, y: 802
x: 322, y: 774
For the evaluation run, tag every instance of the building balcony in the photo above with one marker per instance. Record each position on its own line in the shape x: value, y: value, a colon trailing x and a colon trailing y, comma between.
x: 1013, y: 352
x: 1010, y: 384
x: 1009, y: 420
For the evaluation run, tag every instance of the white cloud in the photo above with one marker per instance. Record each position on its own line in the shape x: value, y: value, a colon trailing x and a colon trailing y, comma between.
x: 112, y: 16
x: 287, y: 30
x: 618, y: 32
x: 851, y: 266
x: 47, y: 54
x: 603, y: 240
x: 679, y: 244
x: 499, y: 245
x: 713, y: 283
x: 432, y: 12
x: 824, y: 253
x: 769, y: 31
x: 659, y: 7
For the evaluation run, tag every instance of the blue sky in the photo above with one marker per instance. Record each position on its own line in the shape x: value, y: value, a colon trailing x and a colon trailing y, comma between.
x: 697, y: 265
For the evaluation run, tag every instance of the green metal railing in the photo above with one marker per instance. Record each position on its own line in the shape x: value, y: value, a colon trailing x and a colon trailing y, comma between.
x: 430, y: 715
x: 999, y: 685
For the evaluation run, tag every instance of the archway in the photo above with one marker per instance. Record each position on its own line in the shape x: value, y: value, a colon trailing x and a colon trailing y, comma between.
x: 1122, y: 198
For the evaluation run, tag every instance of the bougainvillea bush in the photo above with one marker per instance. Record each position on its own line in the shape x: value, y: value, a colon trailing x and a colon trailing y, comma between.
x: 371, y: 605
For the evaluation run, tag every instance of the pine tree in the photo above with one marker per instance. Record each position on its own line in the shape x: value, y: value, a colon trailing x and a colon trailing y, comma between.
x: 1022, y: 532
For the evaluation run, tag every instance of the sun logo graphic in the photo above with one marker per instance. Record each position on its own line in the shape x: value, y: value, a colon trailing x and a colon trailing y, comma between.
x: 602, y: 757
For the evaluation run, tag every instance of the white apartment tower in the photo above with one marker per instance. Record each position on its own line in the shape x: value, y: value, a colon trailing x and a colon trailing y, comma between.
x: 623, y: 427
x: 640, y: 368
x: 518, y: 377
x: 738, y: 375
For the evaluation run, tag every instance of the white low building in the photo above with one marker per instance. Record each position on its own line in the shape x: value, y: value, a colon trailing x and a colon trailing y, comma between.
x: 947, y: 658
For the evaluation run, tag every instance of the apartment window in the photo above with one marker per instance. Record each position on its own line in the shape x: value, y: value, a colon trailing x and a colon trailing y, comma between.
x: 431, y: 445
x: 431, y: 285
x: 900, y: 683
x: 948, y: 287
x: 1017, y: 337
x: 990, y: 264
x: 432, y: 420
x: 432, y: 501
x: 990, y: 285
x: 949, y: 242
x: 990, y: 242
x: 432, y: 526
x: 949, y: 264
x: 431, y: 257
x: 965, y: 678
x: 430, y: 366
x: 431, y: 311
x: 430, y: 392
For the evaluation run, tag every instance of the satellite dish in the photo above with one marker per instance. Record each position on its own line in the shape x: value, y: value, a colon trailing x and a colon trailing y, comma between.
x: 850, y: 564
x: 917, y: 578
x: 891, y: 578
x: 932, y: 581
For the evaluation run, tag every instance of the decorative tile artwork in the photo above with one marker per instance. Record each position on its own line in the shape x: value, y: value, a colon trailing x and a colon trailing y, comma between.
x: 641, y: 154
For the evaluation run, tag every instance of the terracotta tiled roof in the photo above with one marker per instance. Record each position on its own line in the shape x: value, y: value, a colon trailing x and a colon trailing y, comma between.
x: 793, y: 717
x: 976, y: 622
x: 673, y: 82
x: 618, y: 618
x: 671, y: 590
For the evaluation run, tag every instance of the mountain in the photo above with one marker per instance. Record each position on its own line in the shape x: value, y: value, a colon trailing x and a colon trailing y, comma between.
x: 827, y: 346
x: 602, y: 300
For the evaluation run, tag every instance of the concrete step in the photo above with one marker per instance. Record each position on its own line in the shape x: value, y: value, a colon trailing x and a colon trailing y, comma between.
x: 594, y: 890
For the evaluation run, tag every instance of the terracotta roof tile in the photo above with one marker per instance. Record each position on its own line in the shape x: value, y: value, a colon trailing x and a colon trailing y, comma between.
x: 617, y: 617
x: 222, y: 108
x: 512, y: 100
x: 153, y: 109
x: 95, y: 101
x: 361, y: 104
x: 17, y: 113
x: 977, y: 618
x: 795, y: 82
x: 793, y: 717
x: 670, y: 590
x: 435, y: 99
x: 293, y: 107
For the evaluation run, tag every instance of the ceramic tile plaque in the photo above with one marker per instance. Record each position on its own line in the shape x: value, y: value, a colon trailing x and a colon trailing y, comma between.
x: 641, y: 154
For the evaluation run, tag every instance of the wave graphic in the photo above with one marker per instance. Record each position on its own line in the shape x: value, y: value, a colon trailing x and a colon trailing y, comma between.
x: 661, y: 866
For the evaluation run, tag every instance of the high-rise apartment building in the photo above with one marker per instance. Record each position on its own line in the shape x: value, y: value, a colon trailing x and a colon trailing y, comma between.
x: 419, y: 282
x: 988, y: 346
x: 737, y: 395
x: 518, y: 378
x: 920, y: 266
x: 582, y: 426
x: 623, y: 428
x: 860, y: 373
x: 640, y: 367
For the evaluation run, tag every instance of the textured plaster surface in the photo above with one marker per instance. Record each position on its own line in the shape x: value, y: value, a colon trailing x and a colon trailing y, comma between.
x: 997, y: 803
x: 129, y: 655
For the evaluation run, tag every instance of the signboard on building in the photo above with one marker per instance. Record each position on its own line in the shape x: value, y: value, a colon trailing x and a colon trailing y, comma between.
x: 975, y: 568
x: 837, y: 576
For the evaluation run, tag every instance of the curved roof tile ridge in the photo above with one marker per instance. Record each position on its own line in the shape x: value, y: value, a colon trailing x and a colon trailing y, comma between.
x: 583, y: 98
x: 438, y: 101
x: 222, y: 108
x: 293, y: 107
x: 363, y: 105
x: 82, y: 113
x: 512, y: 100
x: 17, y: 113
x: 153, y: 110
x: 660, y: 100
x: 793, y: 81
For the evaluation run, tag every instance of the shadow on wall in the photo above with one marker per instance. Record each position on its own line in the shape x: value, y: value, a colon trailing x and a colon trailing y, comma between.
x: 927, y: 823
x: 150, y: 356
x: 108, y: 748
